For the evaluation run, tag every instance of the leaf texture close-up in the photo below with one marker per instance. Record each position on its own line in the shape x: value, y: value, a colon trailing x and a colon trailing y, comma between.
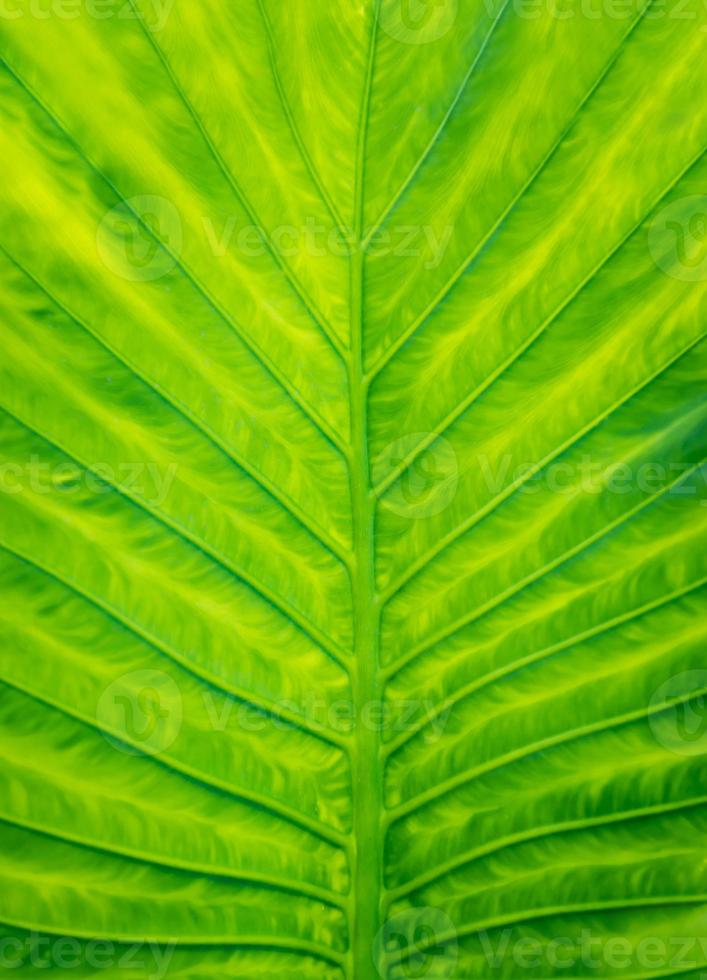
x: 353, y: 497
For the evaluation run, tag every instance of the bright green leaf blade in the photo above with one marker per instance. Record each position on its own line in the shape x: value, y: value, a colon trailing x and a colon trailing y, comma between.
x: 352, y: 489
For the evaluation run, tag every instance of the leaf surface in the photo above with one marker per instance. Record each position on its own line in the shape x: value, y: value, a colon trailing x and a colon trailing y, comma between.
x: 352, y: 438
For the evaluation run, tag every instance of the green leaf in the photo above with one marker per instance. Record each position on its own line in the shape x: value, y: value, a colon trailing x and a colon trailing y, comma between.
x: 353, y: 488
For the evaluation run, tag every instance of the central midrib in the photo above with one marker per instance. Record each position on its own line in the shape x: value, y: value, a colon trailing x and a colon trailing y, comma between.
x: 366, y: 770
x: 366, y: 758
